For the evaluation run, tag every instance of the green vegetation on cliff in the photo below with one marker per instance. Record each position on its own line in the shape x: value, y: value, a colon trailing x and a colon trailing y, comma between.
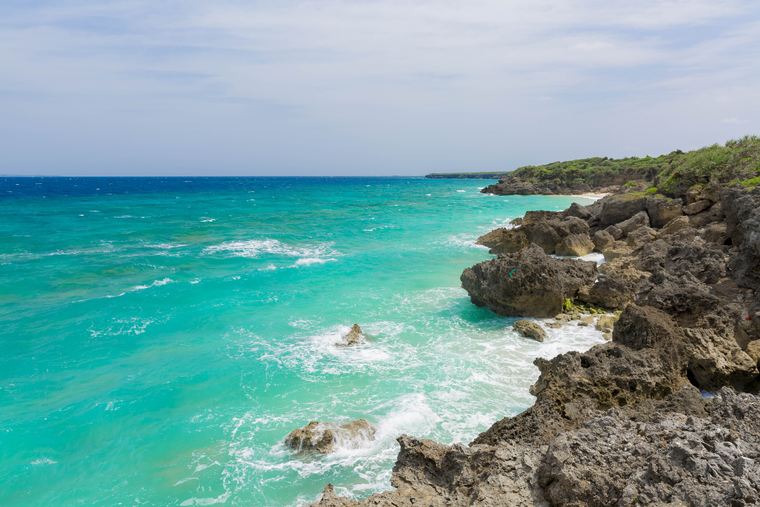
x: 735, y: 162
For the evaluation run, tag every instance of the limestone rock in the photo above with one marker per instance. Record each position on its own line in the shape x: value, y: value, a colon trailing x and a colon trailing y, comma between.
x: 602, y: 240
x: 546, y: 230
x: 743, y: 227
x: 645, y: 327
x: 617, y: 285
x: 662, y: 210
x: 575, y: 245
x: 663, y: 459
x: 579, y: 211
x: 753, y: 350
x: 619, y: 207
x: 641, y: 236
x: 605, y: 323
x: 716, y: 233
x: 504, y: 240
x: 697, y: 207
x: 527, y: 283
x: 711, y: 215
x: 675, y: 225
x: 323, y: 438
x: 530, y: 329
x: 640, y: 219
x: 354, y: 337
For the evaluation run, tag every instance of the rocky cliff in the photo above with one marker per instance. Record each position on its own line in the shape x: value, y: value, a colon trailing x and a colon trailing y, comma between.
x: 667, y: 412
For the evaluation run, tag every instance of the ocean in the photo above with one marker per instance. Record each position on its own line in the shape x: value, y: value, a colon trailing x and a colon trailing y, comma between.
x: 160, y: 336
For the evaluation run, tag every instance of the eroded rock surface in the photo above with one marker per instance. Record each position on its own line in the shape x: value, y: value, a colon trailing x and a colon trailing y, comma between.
x: 530, y: 329
x: 324, y: 438
x: 354, y: 337
x: 664, y: 414
x: 528, y: 283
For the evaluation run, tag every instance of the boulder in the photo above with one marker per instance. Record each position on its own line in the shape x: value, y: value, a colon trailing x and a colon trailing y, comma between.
x: 697, y: 207
x: 618, y: 207
x: 354, y: 337
x: 675, y: 225
x: 617, y: 250
x: 713, y: 214
x: 323, y: 438
x: 743, y: 227
x: 645, y: 327
x: 602, y: 240
x: 715, y: 233
x: 527, y: 283
x: 640, y: 219
x: 606, y: 323
x: 504, y: 240
x: 662, y: 210
x: 715, y: 360
x: 614, y: 231
x: 641, y: 236
x: 617, y: 285
x: 694, y: 256
x: 546, y: 229
x: 530, y: 329
x: 753, y: 351
x: 574, y: 386
x: 579, y: 211
x: 575, y: 245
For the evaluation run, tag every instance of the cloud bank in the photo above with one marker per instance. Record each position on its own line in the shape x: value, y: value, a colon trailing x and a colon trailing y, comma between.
x: 367, y: 86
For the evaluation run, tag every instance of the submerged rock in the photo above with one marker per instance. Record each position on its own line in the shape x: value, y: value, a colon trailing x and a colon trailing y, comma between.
x: 323, y: 438
x: 530, y: 329
x: 527, y: 283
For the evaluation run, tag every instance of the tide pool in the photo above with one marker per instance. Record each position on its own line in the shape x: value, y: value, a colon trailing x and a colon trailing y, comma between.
x: 160, y: 336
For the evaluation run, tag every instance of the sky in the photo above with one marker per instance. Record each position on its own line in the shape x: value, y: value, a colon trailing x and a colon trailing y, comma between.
x: 367, y: 87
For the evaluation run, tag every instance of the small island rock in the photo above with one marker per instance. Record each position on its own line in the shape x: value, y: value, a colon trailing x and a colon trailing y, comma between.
x: 325, y: 437
x: 529, y: 329
x: 354, y: 337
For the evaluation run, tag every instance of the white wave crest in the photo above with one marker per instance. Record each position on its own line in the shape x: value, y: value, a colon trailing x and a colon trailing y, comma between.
x: 253, y: 248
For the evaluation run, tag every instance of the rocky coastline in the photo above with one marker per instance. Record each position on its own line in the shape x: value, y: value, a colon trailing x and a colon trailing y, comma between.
x: 665, y: 413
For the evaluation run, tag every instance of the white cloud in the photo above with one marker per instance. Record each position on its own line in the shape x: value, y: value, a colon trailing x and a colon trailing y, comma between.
x: 374, y: 85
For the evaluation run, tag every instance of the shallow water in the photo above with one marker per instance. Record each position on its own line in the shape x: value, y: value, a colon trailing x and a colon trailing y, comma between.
x: 161, y: 336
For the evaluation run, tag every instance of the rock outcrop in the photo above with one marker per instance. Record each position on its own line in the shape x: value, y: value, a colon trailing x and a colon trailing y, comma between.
x: 667, y: 413
x: 563, y: 235
x: 528, y: 283
x: 530, y: 329
x: 323, y: 438
x: 354, y: 337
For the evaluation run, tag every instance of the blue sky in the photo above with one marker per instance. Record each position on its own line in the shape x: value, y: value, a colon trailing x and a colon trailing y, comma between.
x: 360, y: 87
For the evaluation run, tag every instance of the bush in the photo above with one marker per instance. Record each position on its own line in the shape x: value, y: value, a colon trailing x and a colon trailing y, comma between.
x: 672, y: 174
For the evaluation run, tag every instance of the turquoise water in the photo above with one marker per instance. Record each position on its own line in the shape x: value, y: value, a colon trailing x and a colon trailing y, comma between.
x: 161, y: 336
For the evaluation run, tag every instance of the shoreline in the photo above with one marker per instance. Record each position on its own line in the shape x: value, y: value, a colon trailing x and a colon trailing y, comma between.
x: 589, y: 195
x: 603, y: 415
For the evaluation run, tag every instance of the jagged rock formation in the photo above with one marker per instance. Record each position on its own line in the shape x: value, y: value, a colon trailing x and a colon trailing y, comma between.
x: 527, y: 283
x: 664, y: 414
x: 323, y: 438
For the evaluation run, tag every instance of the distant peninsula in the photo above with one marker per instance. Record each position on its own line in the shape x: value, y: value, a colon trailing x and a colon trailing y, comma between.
x: 671, y: 174
x: 480, y: 175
